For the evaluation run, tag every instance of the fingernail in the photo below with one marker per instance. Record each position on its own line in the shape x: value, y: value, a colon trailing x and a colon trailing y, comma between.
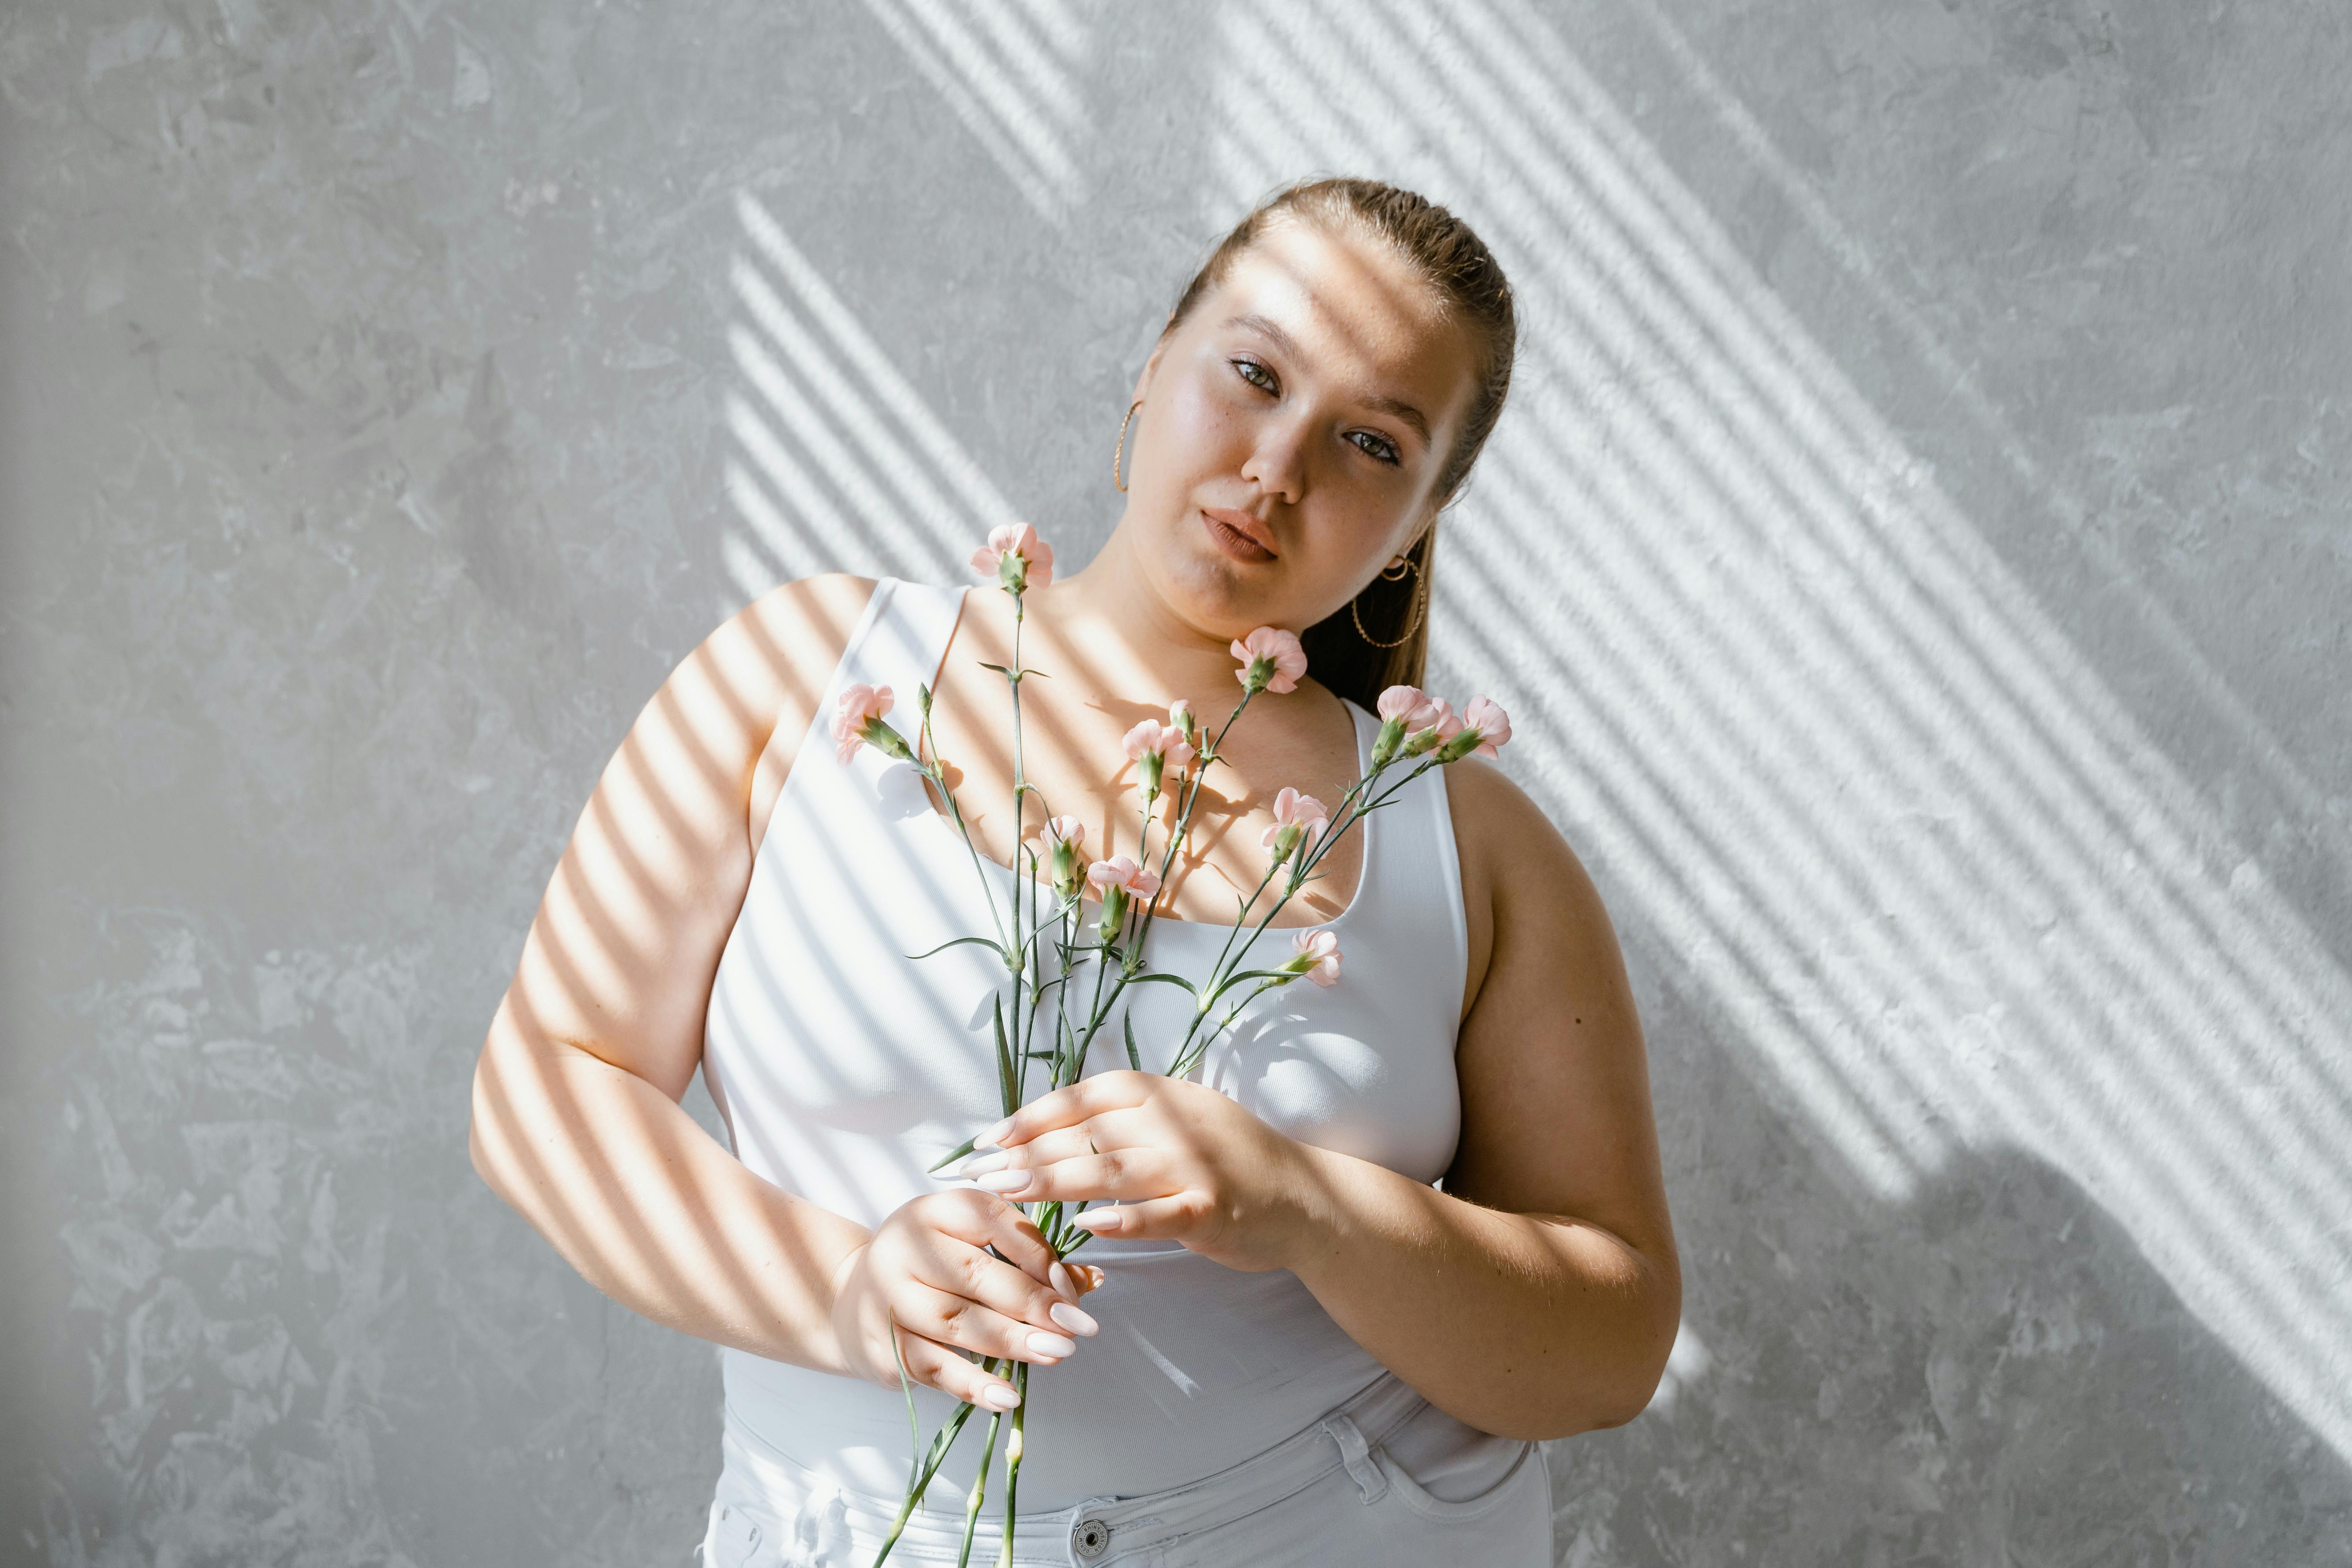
x: 1070, y: 1317
x: 1001, y: 1181
x: 1059, y: 1273
x: 1000, y: 1396
x: 994, y: 1135
x: 1102, y: 1222
x: 981, y: 1164
x: 1052, y: 1345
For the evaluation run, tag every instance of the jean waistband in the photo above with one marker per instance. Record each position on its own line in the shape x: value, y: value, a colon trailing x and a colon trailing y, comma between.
x: 1341, y: 1438
x: 1134, y: 1523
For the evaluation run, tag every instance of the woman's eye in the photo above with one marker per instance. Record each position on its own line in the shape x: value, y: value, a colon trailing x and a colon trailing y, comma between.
x: 1251, y: 370
x: 1382, y: 446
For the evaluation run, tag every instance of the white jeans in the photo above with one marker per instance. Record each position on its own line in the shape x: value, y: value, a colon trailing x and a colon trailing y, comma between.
x: 1329, y: 1494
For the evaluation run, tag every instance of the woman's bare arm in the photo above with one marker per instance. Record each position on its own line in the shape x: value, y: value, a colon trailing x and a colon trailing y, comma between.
x: 1538, y: 1294
x: 576, y: 1120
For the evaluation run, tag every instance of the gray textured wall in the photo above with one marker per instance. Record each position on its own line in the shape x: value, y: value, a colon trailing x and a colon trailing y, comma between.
x: 1916, y: 555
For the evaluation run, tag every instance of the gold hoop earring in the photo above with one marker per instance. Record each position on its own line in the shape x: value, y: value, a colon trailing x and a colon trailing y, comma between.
x: 1119, y: 451
x: 1395, y: 572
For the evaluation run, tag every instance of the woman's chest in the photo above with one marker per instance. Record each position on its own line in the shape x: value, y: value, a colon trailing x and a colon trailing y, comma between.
x: 1078, y: 762
x: 836, y: 1050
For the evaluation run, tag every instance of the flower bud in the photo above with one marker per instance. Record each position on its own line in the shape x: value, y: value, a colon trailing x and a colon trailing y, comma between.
x: 1114, y: 913
x: 1391, y: 736
x: 1067, y: 836
x: 889, y: 741
x: 1442, y: 726
x: 1460, y: 746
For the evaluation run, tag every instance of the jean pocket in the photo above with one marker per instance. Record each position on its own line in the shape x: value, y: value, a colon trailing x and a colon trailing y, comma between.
x: 732, y: 1541
x: 1523, y: 1489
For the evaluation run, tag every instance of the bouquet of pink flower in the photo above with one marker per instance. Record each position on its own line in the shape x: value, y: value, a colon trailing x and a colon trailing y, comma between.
x: 1067, y: 981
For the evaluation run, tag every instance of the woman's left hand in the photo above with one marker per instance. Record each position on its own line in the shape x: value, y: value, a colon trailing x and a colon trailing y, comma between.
x: 1184, y: 1163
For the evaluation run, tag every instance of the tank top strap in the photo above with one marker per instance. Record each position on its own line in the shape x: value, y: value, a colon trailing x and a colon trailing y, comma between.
x: 1416, y: 875
x: 899, y: 641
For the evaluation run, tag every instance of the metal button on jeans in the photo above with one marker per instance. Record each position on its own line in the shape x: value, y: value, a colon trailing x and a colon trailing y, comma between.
x: 1090, y: 1538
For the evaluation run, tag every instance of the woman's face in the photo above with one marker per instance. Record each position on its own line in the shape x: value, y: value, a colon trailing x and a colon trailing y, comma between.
x: 1292, y: 431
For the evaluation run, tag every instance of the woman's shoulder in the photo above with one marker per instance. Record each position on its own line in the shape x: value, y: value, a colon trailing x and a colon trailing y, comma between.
x: 1501, y: 830
x: 1513, y: 858
x: 773, y: 658
x: 806, y: 618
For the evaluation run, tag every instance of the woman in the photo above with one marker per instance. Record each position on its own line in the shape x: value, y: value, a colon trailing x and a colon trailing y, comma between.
x: 1294, y: 1347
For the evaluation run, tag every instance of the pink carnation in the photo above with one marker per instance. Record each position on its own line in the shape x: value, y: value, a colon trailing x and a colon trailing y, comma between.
x: 1292, y: 809
x: 1410, y: 704
x: 1015, y: 539
x: 1271, y: 660
x: 1317, y: 956
x: 1151, y: 735
x: 858, y: 704
x: 1440, y: 716
x: 1120, y: 872
x: 1493, y: 726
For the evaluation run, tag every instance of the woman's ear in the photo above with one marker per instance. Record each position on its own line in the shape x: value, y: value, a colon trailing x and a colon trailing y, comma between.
x: 1143, y: 382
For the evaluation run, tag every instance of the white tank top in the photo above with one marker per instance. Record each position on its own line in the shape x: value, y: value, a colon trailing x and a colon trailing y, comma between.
x: 844, y: 1070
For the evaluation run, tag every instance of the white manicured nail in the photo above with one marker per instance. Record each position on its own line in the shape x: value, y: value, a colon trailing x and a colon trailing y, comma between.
x: 1001, y: 1181
x: 1070, y: 1317
x: 999, y: 1396
x: 1063, y: 1281
x: 981, y: 1164
x: 1052, y: 1345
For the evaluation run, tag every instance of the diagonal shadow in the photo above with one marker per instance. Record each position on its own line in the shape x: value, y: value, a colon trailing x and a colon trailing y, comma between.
x: 1891, y: 821
x: 1009, y: 70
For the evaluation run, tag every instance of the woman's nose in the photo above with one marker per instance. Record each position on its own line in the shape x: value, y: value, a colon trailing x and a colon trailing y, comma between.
x: 1277, y: 461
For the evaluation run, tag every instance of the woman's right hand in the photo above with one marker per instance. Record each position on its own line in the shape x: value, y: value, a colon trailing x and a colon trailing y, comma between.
x: 927, y: 1271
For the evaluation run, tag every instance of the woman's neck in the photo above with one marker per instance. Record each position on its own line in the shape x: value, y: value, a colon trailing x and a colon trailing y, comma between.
x: 1110, y: 613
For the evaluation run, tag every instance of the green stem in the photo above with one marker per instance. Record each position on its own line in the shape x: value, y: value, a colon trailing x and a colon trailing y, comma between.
x: 979, y: 1490
x: 939, y: 775
x: 1013, y: 1454
x: 1020, y: 955
x: 921, y: 1481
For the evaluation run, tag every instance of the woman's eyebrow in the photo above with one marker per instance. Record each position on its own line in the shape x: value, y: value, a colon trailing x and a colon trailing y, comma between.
x: 1404, y: 413
x: 1272, y: 331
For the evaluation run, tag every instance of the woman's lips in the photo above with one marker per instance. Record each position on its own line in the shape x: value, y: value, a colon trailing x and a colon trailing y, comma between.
x: 1235, y: 540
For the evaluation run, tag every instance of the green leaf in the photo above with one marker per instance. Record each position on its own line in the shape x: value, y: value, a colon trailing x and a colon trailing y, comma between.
x: 989, y: 943
x: 907, y: 1386
x: 957, y: 1153
x: 1004, y: 1066
x: 1134, y: 1057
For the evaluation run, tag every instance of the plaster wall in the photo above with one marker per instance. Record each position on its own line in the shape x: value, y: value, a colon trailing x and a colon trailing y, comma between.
x: 1918, y: 557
